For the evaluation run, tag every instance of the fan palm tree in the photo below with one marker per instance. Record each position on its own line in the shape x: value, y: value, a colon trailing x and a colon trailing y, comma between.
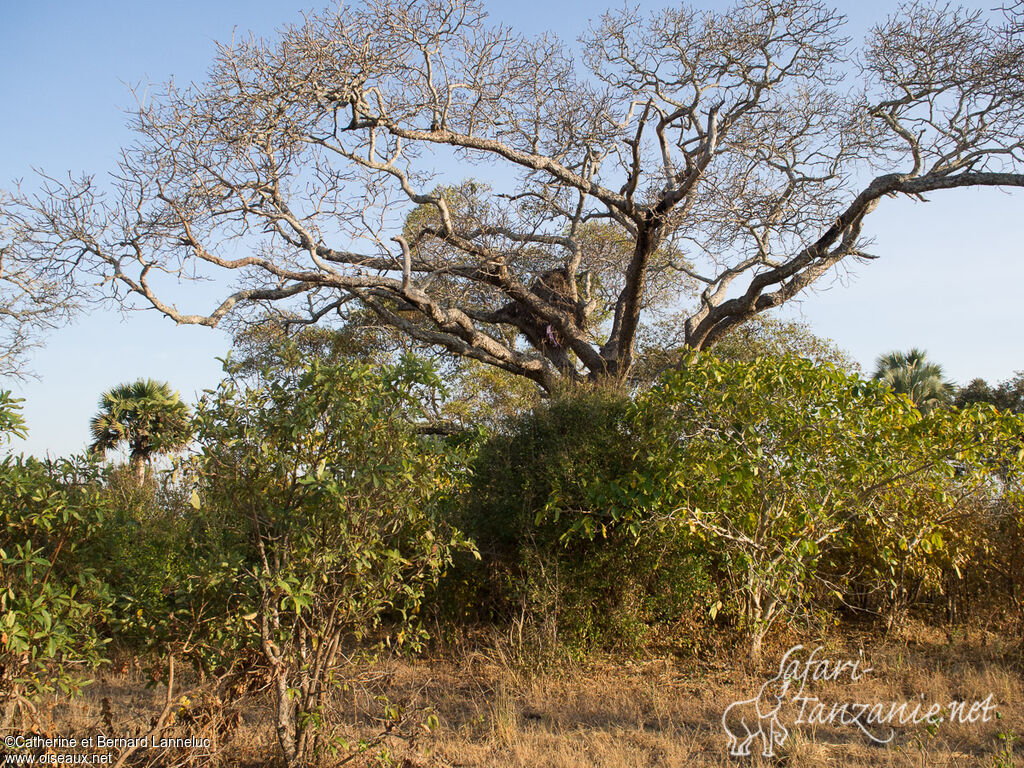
x: 910, y: 373
x: 146, y: 416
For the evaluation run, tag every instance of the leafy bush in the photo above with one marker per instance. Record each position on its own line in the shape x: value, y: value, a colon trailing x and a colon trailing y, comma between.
x: 764, y: 487
x: 144, y: 555
x: 951, y: 504
x: 315, y: 497
x: 53, y: 607
x: 804, y: 478
x: 533, y: 483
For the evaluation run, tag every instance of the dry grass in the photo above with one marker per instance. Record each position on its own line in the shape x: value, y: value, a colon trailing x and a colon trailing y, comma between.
x: 659, y: 712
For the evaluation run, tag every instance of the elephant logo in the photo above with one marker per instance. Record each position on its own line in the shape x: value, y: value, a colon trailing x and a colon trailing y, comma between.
x: 746, y: 720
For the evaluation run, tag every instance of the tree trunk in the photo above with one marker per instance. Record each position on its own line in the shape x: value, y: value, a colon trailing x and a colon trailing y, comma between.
x: 285, y: 705
x: 139, y: 468
x: 758, y: 628
x: 285, y: 715
x: 756, y: 643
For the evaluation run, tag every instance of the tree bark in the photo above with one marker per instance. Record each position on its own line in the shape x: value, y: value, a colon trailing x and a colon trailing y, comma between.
x: 285, y: 725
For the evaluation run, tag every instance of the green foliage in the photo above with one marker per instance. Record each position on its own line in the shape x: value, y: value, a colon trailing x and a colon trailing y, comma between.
x: 759, y: 462
x: 760, y: 336
x: 1006, y: 396
x: 12, y: 424
x: 766, y: 336
x: 787, y: 469
x: 533, y: 483
x: 911, y: 373
x: 144, y: 556
x: 484, y: 397
x: 315, y: 500
x: 479, y: 396
x: 53, y: 607
x: 268, y: 345
x: 766, y: 487
x: 934, y: 513
x: 146, y: 416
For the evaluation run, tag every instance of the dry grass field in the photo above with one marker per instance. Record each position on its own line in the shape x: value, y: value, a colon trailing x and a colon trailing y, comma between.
x: 492, y: 710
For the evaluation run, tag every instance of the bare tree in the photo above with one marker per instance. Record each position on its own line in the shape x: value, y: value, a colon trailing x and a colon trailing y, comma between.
x: 36, y: 292
x: 716, y: 162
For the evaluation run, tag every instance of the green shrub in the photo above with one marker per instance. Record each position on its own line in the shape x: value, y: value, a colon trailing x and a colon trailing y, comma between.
x: 804, y: 480
x: 533, y: 483
x: 144, y: 555
x: 751, y: 491
x: 316, y: 530
x: 53, y: 607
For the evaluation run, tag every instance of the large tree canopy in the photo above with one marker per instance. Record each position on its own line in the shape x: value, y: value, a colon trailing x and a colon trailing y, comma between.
x: 693, y: 165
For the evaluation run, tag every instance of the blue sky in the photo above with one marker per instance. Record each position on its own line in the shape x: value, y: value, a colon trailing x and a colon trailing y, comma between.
x: 949, y: 277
